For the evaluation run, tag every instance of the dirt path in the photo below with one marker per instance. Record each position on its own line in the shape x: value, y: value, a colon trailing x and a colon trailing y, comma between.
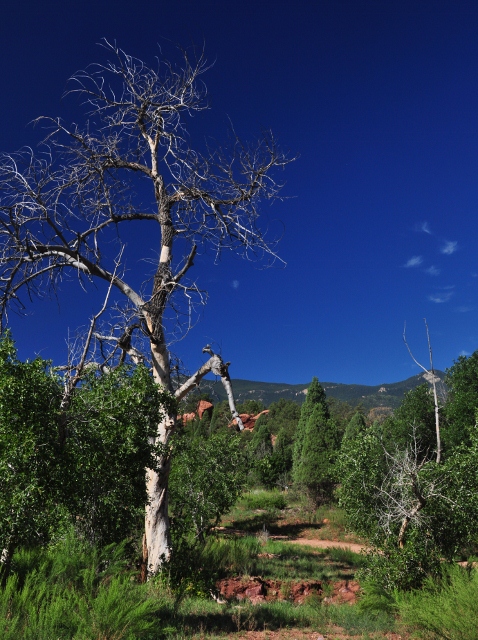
x: 325, y: 544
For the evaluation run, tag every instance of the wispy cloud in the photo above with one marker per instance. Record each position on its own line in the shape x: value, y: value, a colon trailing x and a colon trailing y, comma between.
x: 463, y: 352
x: 449, y: 248
x: 235, y: 284
x: 425, y: 227
x: 415, y: 261
x: 440, y: 297
x: 433, y: 271
x: 464, y: 309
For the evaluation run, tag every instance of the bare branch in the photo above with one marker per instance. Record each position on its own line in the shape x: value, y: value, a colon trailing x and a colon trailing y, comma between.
x: 433, y: 378
x: 64, y: 210
x: 214, y: 365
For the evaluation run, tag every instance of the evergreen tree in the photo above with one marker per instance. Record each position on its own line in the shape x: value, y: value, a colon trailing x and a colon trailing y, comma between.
x: 315, y: 469
x: 315, y: 396
x: 261, y: 443
x: 221, y: 417
x: 356, y: 425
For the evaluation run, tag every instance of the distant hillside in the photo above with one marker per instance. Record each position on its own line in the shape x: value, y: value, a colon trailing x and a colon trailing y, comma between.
x: 382, y: 395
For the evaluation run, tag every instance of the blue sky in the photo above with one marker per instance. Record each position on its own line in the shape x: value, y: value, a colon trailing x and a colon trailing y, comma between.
x: 379, y: 101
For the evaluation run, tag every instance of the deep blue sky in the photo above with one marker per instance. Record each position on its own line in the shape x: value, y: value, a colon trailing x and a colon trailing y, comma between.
x: 380, y: 101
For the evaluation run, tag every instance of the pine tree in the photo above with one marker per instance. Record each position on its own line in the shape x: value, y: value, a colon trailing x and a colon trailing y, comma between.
x: 356, y: 425
x: 315, y: 396
x: 315, y: 468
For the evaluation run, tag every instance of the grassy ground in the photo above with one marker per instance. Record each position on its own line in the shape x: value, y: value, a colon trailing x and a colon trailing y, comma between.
x: 101, y: 600
x: 255, y: 524
x: 287, y: 514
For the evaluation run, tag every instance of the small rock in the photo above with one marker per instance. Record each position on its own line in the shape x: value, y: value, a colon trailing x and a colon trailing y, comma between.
x: 257, y: 590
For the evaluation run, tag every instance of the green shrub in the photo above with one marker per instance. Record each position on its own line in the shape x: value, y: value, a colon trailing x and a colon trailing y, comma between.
x: 445, y: 608
x: 76, y: 591
x: 266, y: 500
x: 355, y: 620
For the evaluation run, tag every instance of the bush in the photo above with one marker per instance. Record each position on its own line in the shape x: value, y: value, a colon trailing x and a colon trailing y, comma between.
x: 445, y: 608
x: 266, y: 500
x: 74, y: 590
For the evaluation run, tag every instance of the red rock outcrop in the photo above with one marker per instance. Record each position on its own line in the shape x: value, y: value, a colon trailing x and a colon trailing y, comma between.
x: 248, y: 420
x: 203, y: 406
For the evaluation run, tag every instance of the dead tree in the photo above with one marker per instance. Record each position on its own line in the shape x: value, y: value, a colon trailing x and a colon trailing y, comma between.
x: 63, y: 208
x: 430, y: 377
x: 406, y: 489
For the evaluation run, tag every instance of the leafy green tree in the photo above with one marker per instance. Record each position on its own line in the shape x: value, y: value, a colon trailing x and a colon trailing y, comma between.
x: 462, y: 404
x: 360, y: 468
x: 261, y: 443
x: 111, y: 421
x: 260, y: 448
x: 284, y: 415
x: 31, y: 464
x: 252, y: 407
x: 221, y: 417
x: 84, y: 463
x: 342, y: 412
x: 416, y: 415
x: 413, y: 510
x: 202, y: 493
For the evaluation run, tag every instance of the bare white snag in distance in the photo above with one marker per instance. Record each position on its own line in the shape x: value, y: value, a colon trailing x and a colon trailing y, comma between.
x: 65, y: 208
x: 431, y: 377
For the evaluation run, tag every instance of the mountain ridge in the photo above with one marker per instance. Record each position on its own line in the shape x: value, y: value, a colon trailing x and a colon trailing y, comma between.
x: 381, y: 395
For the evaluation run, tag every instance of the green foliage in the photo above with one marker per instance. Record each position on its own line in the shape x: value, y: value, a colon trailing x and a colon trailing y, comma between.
x: 378, y: 487
x: 273, y: 464
x: 207, y: 477
x: 390, y: 567
x: 30, y: 454
x: 110, y: 421
x: 283, y: 414
x: 263, y: 500
x: 355, y: 620
x: 462, y: 404
x: 315, y: 396
x: 73, y: 590
x: 316, y: 444
x: 85, y: 464
x: 252, y: 407
x: 221, y: 417
x: 315, y: 467
x: 356, y: 426
x: 360, y: 468
x: 445, y: 608
x: 417, y: 414
x: 342, y: 413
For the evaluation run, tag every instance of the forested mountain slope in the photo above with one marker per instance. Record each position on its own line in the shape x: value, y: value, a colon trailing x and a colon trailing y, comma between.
x: 382, y: 395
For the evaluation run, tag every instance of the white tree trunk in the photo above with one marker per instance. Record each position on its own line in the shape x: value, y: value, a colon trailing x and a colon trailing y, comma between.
x: 157, y: 542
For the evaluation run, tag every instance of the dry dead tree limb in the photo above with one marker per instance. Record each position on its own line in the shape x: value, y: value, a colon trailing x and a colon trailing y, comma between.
x: 433, y: 377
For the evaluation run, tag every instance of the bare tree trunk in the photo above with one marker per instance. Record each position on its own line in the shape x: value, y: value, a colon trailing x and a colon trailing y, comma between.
x: 431, y: 378
x: 157, y: 541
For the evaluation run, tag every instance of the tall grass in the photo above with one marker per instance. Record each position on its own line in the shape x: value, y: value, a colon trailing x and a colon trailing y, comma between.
x: 262, y: 499
x: 74, y: 591
x: 445, y: 609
